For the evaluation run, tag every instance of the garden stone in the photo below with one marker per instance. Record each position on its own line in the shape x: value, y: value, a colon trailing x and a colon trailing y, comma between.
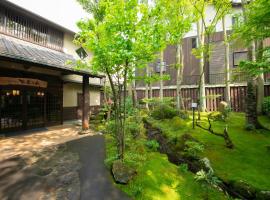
x: 222, y: 106
x: 121, y: 173
x: 263, y: 195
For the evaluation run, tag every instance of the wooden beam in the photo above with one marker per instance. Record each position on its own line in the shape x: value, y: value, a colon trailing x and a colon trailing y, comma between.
x: 86, y: 103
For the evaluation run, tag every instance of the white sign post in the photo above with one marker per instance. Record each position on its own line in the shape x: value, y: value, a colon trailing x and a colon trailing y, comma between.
x: 193, y: 106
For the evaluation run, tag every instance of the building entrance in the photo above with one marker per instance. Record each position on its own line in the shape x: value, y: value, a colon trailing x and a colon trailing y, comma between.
x: 22, y: 108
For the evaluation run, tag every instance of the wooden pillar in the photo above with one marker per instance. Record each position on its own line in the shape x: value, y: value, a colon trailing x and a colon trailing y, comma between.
x: 86, y: 103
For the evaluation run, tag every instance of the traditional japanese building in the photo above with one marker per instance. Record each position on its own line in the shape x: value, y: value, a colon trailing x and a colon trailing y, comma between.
x: 39, y: 85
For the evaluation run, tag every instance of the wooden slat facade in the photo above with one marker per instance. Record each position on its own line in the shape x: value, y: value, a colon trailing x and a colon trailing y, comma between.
x: 214, y: 96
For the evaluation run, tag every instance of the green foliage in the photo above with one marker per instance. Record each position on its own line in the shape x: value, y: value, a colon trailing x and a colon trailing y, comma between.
x: 266, y: 106
x: 133, y: 128
x: 111, y: 127
x: 229, y: 164
x: 207, y: 178
x: 193, y: 149
x: 152, y: 144
x: 250, y: 127
x: 163, y: 111
x: 155, y: 102
x: 183, y: 168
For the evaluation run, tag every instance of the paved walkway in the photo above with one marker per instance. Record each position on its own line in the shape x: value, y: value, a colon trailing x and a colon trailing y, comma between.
x: 96, y: 183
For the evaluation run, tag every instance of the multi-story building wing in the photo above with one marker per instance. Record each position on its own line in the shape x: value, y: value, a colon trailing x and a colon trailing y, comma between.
x: 39, y: 85
x: 214, y: 75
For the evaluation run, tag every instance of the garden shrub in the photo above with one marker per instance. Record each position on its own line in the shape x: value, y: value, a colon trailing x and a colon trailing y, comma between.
x: 193, y: 149
x: 250, y: 127
x: 152, y: 144
x: 266, y: 106
x: 111, y: 127
x: 163, y: 111
x: 177, y: 123
x: 133, y: 128
x: 183, y: 168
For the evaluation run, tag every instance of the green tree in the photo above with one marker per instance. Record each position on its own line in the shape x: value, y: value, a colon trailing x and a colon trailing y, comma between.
x: 205, y: 29
x: 122, y: 36
x: 252, y: 28
x: 178, y: 20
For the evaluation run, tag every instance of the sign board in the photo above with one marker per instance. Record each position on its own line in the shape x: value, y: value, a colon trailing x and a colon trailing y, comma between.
x: 23, y: 82
x: 194, y: 105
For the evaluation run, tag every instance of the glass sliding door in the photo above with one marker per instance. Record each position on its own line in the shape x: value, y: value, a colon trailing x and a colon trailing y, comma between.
x: 11, y: 109
x: 35, y: 108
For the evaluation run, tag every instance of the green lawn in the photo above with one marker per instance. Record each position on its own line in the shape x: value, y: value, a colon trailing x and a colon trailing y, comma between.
x: 265, y: 121
x: 249, y: 161
x: 157, y: 178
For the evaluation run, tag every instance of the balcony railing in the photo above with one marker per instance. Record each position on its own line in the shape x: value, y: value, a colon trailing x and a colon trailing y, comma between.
x: 216, y: 79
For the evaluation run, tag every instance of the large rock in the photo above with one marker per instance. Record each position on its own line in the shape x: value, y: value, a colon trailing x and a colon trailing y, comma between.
x: 222, y: 106
x: 121, y: 173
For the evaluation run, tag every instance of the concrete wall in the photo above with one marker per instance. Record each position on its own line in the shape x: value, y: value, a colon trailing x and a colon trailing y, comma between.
x: 70, y: 92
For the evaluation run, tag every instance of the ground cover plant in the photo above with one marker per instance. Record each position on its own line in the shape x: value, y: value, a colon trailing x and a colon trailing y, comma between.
x: 247, y: 162
x: 156, y: 177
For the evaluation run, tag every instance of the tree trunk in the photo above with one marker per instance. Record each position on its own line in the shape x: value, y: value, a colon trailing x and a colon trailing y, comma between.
x: 179, y: 75
x: 260, y: 79
x: 134, y: 94
x: 227, y: 63
x: 147, y: 88
x: 251, y: 105
x: 202, y: 100
x: 161, y: 75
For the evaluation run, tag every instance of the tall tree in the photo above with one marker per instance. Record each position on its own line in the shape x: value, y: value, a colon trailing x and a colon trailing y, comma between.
x: 178, y: 18
x: 226, y: 62
x: 252, y: 28
x: 121, y: 38
x: 205, y: 29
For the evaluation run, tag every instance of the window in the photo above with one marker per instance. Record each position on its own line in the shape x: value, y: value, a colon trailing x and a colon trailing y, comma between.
x: 238, y: 57
x: 81, y: 53
x: 23, y: 27
x: 194, y: 44
x: 234, y: 20
x: 157, y: 68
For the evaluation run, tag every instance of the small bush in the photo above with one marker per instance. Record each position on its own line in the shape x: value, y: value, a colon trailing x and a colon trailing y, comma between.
x: 183, y: 168
x: 193, y: 149
x: 250, y: 127
x: 111, y: 127
x: 266, y: 106
x: 163, y: 111
x: 133, y: 128
x: 152, y: 144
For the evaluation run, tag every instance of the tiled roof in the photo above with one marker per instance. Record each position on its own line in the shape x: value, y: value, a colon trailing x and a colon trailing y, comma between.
x: 21, y: 50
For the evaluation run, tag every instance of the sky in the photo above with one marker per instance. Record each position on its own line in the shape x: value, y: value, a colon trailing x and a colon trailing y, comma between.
x: 63, y: 12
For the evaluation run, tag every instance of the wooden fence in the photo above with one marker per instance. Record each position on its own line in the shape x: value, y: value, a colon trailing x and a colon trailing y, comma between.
x: 214, y: 95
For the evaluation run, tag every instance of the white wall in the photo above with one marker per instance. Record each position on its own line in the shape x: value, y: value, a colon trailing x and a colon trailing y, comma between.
x: 210, y: 14
x: 70, y: 92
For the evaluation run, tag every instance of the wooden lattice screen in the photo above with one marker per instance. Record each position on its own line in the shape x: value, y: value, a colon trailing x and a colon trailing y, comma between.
x: 26, y: 28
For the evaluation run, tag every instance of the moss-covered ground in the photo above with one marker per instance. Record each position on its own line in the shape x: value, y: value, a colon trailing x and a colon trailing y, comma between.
x: 249, y: 161
x: 157, y: 178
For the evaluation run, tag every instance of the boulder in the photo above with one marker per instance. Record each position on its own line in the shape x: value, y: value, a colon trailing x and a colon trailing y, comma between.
x: 222, y: 106
x: 263, y: 195
x: 122, y: 174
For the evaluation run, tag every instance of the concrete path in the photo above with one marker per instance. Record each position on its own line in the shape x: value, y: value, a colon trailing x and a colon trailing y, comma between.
x: 96, y: 183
